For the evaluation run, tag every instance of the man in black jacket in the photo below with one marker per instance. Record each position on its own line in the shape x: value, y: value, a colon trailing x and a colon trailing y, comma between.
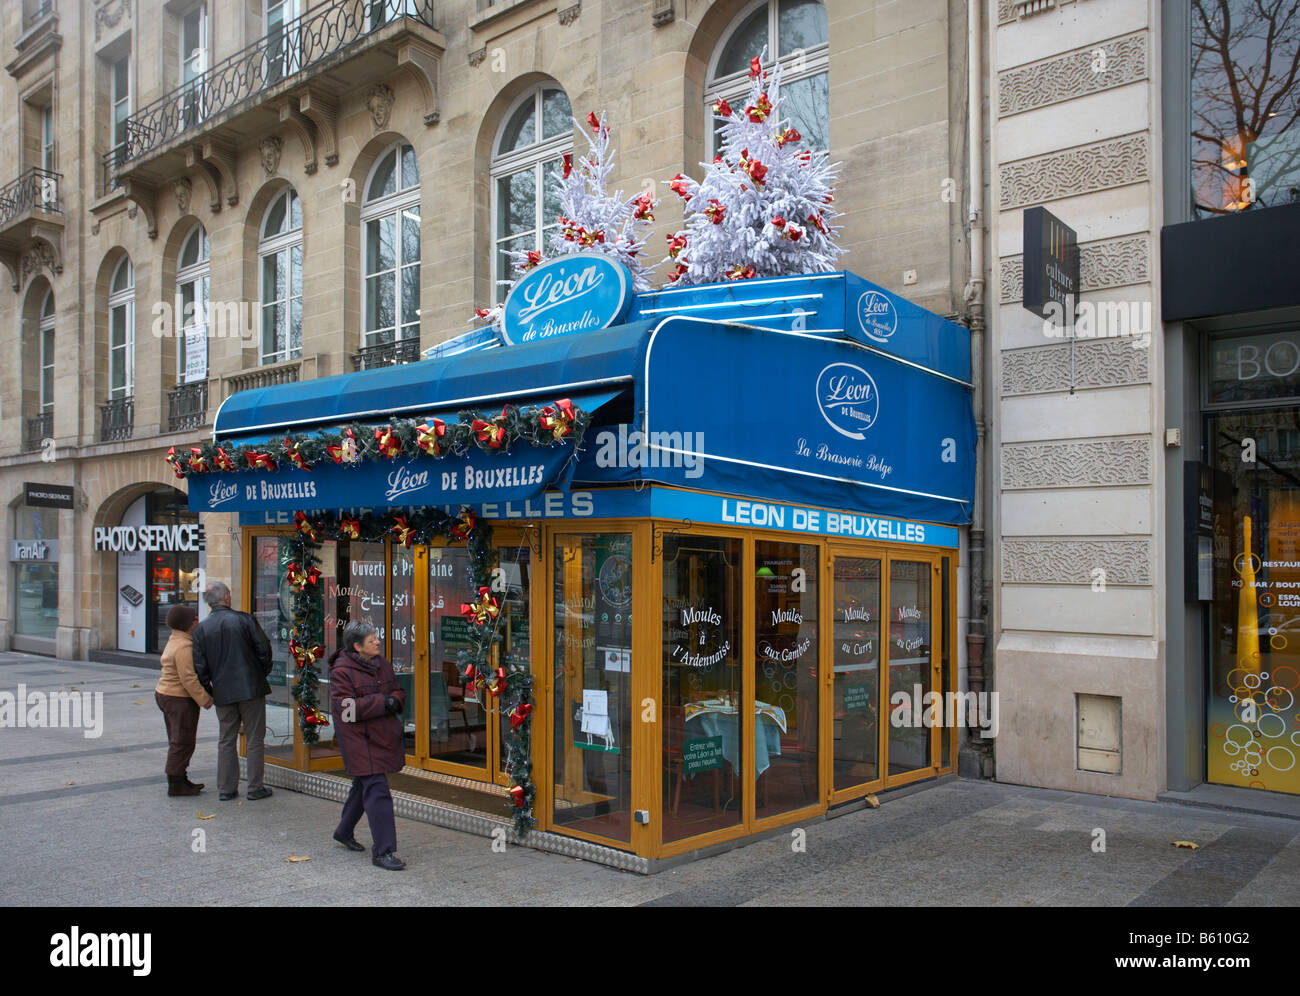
x: 232, y: 658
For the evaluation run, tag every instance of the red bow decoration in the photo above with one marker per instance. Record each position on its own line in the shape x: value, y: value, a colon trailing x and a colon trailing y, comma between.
x: 676, y: 243
x: 593, y: 121
x: 816, y: 219
x: 534, y: 257
x: 787, y: 135
x: 644, y: 206
x: 567, y: 160
x: 351, y: 528
x: 498, y: 684
x: 778, y: 222
x: 680, y: 185
x: 464, y: 525
x: 517, y: 795
x: 558, y: 421
x: 722, y: 108
x: 197, y: 464
x: 222, y: 460
x: 793, y: 234
x: 314, y: 717
x: 753, y: 167
x: 389, y: 442
x: 171, y: 459
x: 590, y: 238
x: 482, y: 612
x: 755, y: 67
x: 470, y: 674
x: 262, y: 460
x: 715, y: 212
x: 519, y: 714
x: 403, y: 530
x: 760, y: 109
x: 299, y: 579
x: 294, y: 455
x: 304, y: 525
x: 677, y: 272
x: 345, y: 451
x: 303, y: 655
x: 428, y: 434
x: 739, y: 272
x: 491, y: 434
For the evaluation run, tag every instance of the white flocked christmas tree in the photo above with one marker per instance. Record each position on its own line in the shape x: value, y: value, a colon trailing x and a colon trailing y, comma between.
x: 763, y: 208
x: 591, y: 219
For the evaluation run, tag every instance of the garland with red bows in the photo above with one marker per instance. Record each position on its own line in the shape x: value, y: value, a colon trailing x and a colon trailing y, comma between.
x: 510, y: 685
x: 543, y: 425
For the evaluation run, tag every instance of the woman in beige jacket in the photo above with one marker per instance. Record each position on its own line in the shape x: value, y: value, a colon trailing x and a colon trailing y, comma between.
x: 179, y: 695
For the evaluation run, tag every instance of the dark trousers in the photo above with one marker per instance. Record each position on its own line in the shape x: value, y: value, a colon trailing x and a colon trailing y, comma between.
x: 181, y: 714
x: 370, y: 793
x: 252, y: 714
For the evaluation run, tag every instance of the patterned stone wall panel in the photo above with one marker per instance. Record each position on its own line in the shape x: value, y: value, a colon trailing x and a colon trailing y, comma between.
x: 1077, y: 463
x: 1006, y: 11
x: 1076, y: 561
x: 1117, y: 262
x: 1074, y: 74
x: 1097, y: 363
x: 1115, y: 162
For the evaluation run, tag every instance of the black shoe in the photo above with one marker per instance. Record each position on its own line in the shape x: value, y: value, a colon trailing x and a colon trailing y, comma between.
x: 262, y: 793
x: 349, y: 842
x: 196, y: 786
x: 390, y: 861
x: 178, y: 785
x: 227, y: 796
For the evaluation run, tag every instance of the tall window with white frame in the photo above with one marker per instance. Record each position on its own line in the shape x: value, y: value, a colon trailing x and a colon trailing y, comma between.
x: 47, y: 138
x: 795, y: 34
x: 121, y: 97
x: 390, y: 221
x: 193, y: 58
x: 526, y: 159
x: 121, y: 344
x: 192, y: 307
x: 282, y: 38
x: 47, y: 356
x: 280, y: 252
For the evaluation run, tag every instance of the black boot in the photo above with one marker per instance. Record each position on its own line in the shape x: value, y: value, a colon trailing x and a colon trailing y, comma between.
x: 179, y: 785
x: 196, y: 786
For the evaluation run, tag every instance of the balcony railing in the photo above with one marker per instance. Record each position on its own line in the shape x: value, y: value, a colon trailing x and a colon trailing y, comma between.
x: 187, y: 406
x: 110, y: 162
x: 268, y: 376
x: 37, y: 430
x: 298, y: 45
x: 116, y: 419
x: 36, y: 188
x: 35, y: 11
x: 386, y: 354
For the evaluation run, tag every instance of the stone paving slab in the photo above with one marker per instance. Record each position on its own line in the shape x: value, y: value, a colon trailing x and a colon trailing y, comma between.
x: 112, y: 837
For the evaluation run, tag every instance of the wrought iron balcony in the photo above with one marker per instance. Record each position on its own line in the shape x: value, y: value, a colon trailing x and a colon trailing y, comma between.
x: 386, y: 354
x: 35, y: 190
x: 320, y: 37
x: 110, y: 162
x: 117, y: 419
x: 187, y: 406
x: 38, y: 429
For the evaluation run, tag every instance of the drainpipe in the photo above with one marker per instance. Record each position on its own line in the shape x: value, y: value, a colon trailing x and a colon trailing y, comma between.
x: 974, y: 299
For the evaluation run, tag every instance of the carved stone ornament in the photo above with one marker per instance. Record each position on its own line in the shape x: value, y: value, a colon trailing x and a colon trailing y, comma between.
x: 477, y: 56
x: 1075, y: 561
x: 1115, y: 162
x: 1116, y: 262
x: 379, y: 101
x: 1074, y: 74
x: 110, y: 14
x: 1113, y: 362
x: 184, y: 189
x: 38, y: 256
x: 1085, y: 463
x: 570, y: 14
x: 270, y: 147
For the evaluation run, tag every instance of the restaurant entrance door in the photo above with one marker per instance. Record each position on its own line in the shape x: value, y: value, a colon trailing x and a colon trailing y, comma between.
x: 461, y: 730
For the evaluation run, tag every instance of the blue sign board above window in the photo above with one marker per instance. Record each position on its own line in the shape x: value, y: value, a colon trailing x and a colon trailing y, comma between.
x: 580, y: 292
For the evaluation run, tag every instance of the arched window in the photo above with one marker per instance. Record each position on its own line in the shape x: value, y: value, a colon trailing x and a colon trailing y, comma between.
x: 280, y: 252
x: 390, y: 221
x: 47, y: 354
x: 192, y: 308
x: 121, y: 332
x: 795, y: 34
x: 527, y: 156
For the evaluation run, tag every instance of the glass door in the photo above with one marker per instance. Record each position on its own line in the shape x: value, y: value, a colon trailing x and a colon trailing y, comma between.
x: 856, y: 699
x: 911, y: 670
x: 457, y: 727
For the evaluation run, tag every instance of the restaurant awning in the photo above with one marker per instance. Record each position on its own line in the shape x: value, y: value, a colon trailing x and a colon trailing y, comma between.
x: 706, y: 391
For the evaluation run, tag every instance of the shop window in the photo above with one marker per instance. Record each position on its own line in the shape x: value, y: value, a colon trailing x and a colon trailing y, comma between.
x: 36, y: 571
x: 795, y: 35
x: 703, y: 753
x: 787, y: 650
x: 526, y: 162
x: 1245, y: 111
x: 121, y: 321
x: 280, y: 252
x: 910, y: 649
x: 855, y: 630
x: 593, y: 683
x: 192, y: 282
x: 390, y: 220
x: 457, y: 716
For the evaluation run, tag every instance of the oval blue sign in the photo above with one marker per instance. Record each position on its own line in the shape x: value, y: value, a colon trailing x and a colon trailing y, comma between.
x: 580, y: 292
x: 876, y: 316
x: 847, y: 398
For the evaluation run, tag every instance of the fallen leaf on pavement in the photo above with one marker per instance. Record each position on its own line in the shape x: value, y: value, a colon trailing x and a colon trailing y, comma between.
x: 206, y: 816
x: 295, y: 858
x: 873, y: 802
x: 1188, y: 844
x: 137, y: 703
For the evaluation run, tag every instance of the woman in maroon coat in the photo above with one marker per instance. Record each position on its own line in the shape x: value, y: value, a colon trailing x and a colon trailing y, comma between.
x: 366, y: 702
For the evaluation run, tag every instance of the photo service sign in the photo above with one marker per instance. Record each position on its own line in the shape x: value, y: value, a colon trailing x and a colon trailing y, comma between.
x: 577, y: 293
x: 1051, y: 265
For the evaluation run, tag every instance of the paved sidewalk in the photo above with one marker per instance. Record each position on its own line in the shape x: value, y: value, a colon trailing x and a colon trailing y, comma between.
x: 87, y: 822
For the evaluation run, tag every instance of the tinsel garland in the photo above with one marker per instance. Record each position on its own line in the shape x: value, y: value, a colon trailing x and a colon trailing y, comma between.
x: 511, y: 685
x: 536, y: 425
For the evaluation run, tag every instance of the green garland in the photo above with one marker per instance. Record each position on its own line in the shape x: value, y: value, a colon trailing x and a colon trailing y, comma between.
x: 400, y: 437
x: 418, y: 526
